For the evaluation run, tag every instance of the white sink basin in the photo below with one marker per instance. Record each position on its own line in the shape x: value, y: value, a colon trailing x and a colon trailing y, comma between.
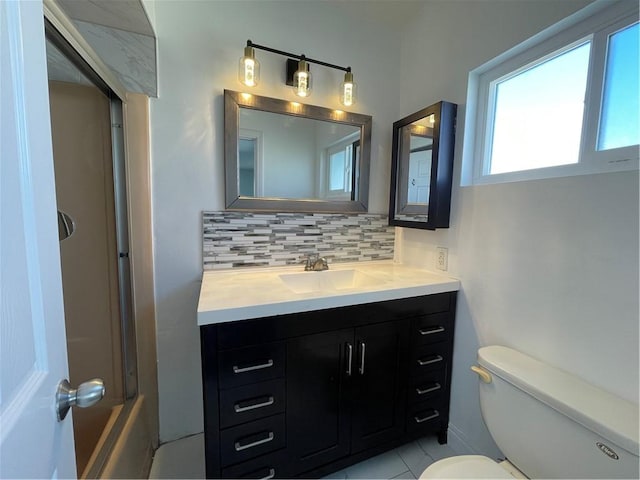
x: 328, y: 280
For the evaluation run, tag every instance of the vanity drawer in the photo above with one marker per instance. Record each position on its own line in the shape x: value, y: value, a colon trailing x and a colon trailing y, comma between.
x: 425, y: 416
x: 242, y: 366
x: 271, y: 465
x: 427, y: 386
x: 428, y: 358
x: 430, y: 328
x: 251, y: 402
x: 250, y: 440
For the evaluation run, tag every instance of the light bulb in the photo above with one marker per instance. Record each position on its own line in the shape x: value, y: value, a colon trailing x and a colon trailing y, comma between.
x: 249, y: 68
x: 302, y: 80
x: 348, y: 90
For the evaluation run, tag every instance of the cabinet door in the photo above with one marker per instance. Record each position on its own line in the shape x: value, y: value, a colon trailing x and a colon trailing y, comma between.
x: 317, y: 405
x: 378, y: 406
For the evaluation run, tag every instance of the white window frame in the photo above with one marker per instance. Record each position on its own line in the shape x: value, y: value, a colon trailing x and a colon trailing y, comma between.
x: 258, y: 165
x: 340, y: 145
x: 592, y: 24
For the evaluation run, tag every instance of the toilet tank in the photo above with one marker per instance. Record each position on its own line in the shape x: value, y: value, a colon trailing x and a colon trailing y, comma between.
x: 551, y: 424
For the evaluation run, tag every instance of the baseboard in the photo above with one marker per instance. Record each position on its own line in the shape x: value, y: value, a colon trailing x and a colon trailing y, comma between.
x: 458, y: 442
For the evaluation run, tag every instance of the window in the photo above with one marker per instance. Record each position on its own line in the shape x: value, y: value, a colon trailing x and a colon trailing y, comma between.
x: 342, y: 159
x: 564, y: 105
x: 250, y: 163
x: 340, y: 170
x: 619, y: 115
x: 537, y: 116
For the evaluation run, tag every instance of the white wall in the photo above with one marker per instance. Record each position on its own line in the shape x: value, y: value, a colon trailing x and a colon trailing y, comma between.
x: 199, y: 44
x: 549, y: 267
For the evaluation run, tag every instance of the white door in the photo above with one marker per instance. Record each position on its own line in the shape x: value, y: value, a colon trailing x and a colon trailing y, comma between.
x: 33, y: 356
x: 419, y: 177
x: 419, y: 170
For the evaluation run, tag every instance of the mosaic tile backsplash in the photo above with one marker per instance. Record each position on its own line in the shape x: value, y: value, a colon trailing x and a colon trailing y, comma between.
x: 243, y: 239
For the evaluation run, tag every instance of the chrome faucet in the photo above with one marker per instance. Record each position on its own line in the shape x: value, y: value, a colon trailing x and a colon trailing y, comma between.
x: 315, y: 263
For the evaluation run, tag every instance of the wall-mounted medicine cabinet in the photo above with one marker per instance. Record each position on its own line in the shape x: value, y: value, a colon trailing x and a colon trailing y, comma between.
x: 422, y: 168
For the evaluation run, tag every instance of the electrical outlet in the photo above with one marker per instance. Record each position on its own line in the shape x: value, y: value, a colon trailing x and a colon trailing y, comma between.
x: 442, y: 258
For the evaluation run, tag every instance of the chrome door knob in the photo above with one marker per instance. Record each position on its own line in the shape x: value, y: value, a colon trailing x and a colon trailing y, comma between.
x: 86, y: 395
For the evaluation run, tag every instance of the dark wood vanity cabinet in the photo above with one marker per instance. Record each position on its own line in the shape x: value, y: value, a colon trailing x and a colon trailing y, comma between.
x: 344, y: 392
x: 302, y: 395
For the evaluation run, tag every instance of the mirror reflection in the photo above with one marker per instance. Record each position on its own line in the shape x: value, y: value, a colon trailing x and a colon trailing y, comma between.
x: 422, y: 164
x: 415, y: 166
x: 286, y: 156
x: 321, y: 157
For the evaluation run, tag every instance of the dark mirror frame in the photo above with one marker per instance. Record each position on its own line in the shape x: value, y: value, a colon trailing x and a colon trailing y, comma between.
x: 233, y: 101
x: 441, y: 178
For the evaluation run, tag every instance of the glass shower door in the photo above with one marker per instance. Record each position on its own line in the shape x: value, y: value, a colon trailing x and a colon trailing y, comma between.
x: 95, y: 290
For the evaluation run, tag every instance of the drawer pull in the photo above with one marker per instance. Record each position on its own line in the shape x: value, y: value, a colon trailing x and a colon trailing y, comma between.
x: 430, y: 360
x: 435, y: 386
x: 237, y: 369
x: 272, y: 474
x: 238, y: 408
x: 435, y: 414
x: 429, y: 331
x: 239, y: 447
x: 349, y: 358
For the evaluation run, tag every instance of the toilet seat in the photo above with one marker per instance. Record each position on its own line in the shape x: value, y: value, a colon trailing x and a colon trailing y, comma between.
x: 465, y: 466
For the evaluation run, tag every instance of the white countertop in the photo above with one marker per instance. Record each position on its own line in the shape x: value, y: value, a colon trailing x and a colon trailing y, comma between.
x: 245, y: 293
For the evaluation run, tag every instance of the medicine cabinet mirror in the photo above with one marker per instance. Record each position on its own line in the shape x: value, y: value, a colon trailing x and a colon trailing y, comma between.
x: 288, y: 157
x: 422, y: 165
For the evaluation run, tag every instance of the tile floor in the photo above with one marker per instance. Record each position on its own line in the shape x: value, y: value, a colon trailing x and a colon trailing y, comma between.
x: 184, y: 458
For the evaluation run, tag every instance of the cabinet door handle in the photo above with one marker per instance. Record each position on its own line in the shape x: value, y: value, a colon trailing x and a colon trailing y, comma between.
x: 349, y: 358
x: 430, y: 360
x: 237, y: 369
x: 433, y: 415
x: 238, y: 408
x: 272, y: 474
x: 240, y: 447
x: 434, y: 386
x: 429, y: 331
x: 362, y: 350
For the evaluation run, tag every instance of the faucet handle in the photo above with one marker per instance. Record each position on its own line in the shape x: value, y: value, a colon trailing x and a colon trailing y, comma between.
x: 310, y: 261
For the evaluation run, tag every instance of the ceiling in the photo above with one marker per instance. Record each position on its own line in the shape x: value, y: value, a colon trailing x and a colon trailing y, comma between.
x: 120, y: 31
x: 392, y: 14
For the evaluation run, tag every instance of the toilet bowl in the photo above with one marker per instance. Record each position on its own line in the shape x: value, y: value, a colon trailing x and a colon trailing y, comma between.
x: 471, y: 466
x: 573, y: 429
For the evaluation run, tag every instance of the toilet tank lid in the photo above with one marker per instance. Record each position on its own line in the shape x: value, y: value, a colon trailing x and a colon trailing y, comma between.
x: 608, y: 415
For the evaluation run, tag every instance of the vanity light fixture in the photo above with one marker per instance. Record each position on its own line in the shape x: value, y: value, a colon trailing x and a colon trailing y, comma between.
x: 298, y: 74
x: 302, y: 79
x: 348, y: 90
x: 249, y: 68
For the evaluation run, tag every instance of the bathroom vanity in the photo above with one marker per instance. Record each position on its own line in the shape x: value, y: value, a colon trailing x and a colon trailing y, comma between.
x: 305, y: 373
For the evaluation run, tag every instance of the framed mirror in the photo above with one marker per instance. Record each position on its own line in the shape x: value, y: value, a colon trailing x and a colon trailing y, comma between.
x: 288, y: 157
x: 422, y: 167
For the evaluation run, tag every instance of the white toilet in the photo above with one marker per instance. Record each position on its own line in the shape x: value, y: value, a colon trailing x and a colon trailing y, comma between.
x: 548, y: 423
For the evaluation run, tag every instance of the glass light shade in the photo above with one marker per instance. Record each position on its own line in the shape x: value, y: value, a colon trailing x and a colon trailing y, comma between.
x: 348, y: 90
x: 302, y: 80
x: 249, y: 68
